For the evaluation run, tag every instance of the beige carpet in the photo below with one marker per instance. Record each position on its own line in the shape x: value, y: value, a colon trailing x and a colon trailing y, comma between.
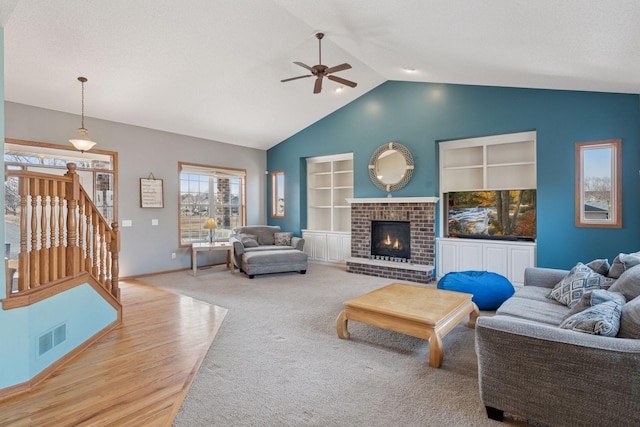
x: 277, y: 360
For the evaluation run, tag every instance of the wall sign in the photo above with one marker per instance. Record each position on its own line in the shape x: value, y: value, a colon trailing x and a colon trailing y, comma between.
x: 151, y: 192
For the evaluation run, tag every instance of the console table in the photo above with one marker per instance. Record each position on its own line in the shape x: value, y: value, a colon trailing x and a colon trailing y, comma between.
x: 215, y: 246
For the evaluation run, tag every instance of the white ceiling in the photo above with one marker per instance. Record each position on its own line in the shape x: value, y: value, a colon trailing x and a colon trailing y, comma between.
x: 212, y: 68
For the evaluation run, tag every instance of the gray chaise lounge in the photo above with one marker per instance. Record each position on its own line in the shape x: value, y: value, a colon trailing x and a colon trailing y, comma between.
x: 258, y: 251
x: 530, y: 367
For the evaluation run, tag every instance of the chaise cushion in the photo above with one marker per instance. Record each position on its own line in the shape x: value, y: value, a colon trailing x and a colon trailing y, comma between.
x: 601, y: 319
x: 580, y: 279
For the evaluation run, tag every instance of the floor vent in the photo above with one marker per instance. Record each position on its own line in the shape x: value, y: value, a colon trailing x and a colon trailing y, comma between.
x: 52, y: 338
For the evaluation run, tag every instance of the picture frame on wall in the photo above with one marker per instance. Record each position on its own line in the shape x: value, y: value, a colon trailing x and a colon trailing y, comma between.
x: 151, y: 193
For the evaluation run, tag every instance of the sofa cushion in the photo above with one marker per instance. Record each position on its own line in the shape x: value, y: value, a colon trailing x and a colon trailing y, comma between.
x: 549, y: 312
x: 537, y: 293
x: 630, y: 320
x: 248, y: 240
x: 283, y: 238
x: 263, y: 232
x: 622, y: 263
x: 579, y: 280
x: 601, y: 319
x: 595, y: 297
x: 628, y: 283
x: 600, y: 266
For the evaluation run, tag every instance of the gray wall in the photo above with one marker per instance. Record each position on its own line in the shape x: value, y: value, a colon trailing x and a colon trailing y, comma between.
x: 141, y: 151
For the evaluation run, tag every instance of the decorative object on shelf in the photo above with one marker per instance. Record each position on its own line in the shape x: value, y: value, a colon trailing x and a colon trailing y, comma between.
x: 599, y: 184
x: 277, y: 194
x: 210, y: 225
x: 82, y: 141
x: 151, y: 192
x: 391, y: 167
x: 319, y: 71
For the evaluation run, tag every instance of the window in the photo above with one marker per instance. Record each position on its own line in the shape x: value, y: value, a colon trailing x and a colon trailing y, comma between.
x: 210, y: 192
x: 599, y: 184
x: 277, y: 194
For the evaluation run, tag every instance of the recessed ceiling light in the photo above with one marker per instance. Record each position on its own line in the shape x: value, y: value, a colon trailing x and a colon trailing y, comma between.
x: 409, y: 69
x: 339, y: 89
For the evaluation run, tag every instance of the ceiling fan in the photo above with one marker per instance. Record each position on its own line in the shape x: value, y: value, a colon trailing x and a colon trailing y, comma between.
x: 321, y: 71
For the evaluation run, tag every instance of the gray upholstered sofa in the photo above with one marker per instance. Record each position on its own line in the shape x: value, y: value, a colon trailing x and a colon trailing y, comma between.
x: 261, y: 249
x: 531, y: 367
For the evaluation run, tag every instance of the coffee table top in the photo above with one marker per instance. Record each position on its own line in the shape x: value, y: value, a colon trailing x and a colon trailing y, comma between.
x: 423, y: 304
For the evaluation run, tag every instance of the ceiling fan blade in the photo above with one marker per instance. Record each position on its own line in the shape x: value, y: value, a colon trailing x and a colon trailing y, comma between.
x: 306, y: 66
x: 340, y: 67
x: 343, y: 81
x: 318, y: 86
x: 296, y: 78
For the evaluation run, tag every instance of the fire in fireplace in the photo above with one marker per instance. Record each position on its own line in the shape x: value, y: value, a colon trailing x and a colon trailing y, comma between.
x: 391, y: 240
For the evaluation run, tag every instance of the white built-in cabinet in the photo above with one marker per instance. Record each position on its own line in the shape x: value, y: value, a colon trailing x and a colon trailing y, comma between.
x: 509, y: 259
x: 329, y: 185
x: 500, y: 162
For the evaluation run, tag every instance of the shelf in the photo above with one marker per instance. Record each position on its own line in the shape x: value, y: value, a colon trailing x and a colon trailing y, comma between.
x: 345, y: 187
x: 329, y: 184
x: 453, y: 168
x: 499, y: 165
x: 345, y: 171
x: 320, y: 207
x: 319, y: 188
x: 320, y: 173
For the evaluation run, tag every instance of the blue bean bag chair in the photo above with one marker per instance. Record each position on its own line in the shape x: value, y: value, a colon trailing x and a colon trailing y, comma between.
x: 489, y: 290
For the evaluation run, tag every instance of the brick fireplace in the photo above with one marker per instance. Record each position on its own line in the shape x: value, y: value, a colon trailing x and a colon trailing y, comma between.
x: 419, y: 212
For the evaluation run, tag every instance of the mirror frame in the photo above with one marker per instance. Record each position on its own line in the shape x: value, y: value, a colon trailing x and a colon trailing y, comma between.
x: 408, y: 158
x: 614, y: 219
x: 277, y: 192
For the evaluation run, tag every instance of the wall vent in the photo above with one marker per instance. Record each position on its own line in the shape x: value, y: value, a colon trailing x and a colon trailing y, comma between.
x: 52, y: 338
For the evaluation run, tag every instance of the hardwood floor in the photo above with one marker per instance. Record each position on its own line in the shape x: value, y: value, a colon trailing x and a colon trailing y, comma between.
x: 137, y: 375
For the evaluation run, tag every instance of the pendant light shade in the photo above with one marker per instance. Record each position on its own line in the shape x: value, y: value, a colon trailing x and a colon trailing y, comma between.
x: 82, y: 141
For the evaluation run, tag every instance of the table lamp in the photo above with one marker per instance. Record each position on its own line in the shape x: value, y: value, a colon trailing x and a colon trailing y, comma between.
x: 210, y: 225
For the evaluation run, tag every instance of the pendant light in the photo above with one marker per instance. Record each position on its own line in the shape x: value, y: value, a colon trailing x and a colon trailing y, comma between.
x: 82, y: 141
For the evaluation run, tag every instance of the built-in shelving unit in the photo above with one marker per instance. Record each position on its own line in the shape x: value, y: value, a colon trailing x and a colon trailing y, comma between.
x: 329, y: 185
x: 498, y: 162
x: 489, y: 163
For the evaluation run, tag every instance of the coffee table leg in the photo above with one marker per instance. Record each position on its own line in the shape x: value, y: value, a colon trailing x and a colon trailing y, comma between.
x: 341, y: 326
x: 435, y: 350
x: 473, y: 316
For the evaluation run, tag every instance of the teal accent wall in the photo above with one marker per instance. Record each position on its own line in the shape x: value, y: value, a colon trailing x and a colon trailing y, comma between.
x: 420, y: 114
x: 82, y: 309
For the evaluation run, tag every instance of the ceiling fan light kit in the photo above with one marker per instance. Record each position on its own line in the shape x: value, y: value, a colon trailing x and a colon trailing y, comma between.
x: 320, y: 71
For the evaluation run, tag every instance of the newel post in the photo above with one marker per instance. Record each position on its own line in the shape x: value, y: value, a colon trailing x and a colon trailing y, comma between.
x: 115, y: 267
x: 72, y: 196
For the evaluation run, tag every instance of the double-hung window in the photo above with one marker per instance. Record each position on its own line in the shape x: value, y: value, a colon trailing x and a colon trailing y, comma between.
x: 210, y: 192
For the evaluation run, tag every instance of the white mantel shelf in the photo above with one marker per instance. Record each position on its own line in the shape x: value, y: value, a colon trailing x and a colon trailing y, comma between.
x: 394, y: 200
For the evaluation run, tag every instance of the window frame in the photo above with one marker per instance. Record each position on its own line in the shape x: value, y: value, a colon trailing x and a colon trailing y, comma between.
x: 211, y: 172
x: 278, y: 192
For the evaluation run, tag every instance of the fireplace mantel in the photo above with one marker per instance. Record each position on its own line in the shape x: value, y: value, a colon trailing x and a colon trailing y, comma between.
x: 393, y: 200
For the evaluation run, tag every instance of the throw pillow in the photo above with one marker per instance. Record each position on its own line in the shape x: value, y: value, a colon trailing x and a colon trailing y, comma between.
x: 600, y: 266
x: 249, y: 240
x: 630, y: 320
x: 628, y: 283
x: 579, y: 280
x: 595, y: 297
x: 601, y: 319
x: 623, y: 262
x: 283, y: 239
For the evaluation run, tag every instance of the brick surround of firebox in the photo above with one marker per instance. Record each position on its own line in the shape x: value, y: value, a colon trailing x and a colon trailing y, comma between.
x: 419, y: 211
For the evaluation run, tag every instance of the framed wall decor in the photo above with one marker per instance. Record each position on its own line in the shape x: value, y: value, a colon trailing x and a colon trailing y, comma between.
x: 151, y: 192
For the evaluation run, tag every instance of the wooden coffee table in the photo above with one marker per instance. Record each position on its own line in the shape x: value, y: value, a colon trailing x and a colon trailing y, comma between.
x: 421, y: 312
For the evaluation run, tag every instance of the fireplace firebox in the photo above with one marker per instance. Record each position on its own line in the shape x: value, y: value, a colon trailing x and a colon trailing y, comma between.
x: 391, y: 240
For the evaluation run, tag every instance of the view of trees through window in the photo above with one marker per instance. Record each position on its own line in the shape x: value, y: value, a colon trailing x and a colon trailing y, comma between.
x: 210, y: 192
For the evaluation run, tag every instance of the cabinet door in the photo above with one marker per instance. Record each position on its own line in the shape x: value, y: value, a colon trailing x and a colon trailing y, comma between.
x: 447, y: 257
x: 334, y: 248
x: 346, y: 247
x: 496, y: 259
x: 320, y: 247
x: 471, y: 256
x: 519, y: 259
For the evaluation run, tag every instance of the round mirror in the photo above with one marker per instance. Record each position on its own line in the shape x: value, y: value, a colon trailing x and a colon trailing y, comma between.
x: 391, y: 167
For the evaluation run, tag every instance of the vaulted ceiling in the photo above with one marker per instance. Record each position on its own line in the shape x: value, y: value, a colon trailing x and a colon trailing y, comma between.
x: 212, y: 68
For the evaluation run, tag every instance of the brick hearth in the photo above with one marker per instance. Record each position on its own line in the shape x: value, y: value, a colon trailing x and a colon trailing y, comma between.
x: 419, y: 211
